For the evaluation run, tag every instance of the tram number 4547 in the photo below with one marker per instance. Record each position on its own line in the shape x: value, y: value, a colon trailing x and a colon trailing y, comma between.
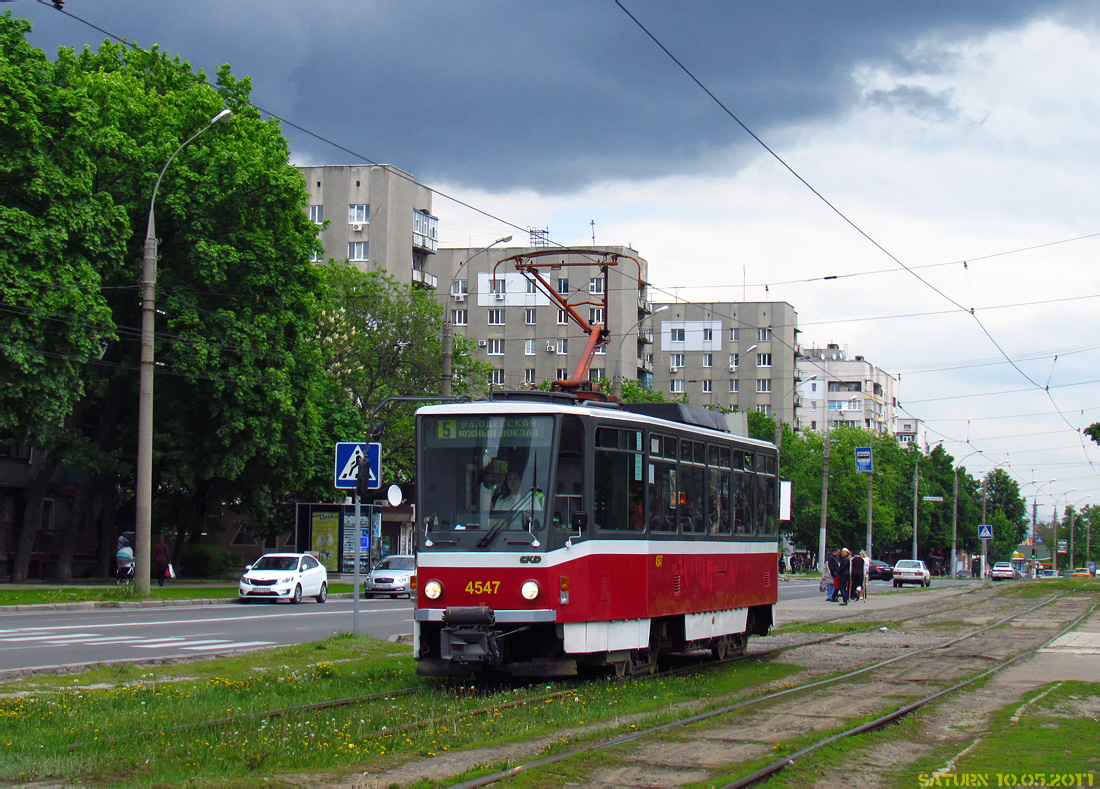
x: 482, y: 587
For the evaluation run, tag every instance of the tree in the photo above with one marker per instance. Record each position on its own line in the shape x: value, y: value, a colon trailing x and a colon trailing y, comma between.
x: 57, y: 231
x: 382, y: 339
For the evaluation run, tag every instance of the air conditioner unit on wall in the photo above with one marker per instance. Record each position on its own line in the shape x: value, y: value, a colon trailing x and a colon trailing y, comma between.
x: 482, y: 343
x: 550, y: 347
x: 673, y: 369
x: 499, y: 296
x: 733, y: 368
x: 460, y: 297
x: 357, y: 228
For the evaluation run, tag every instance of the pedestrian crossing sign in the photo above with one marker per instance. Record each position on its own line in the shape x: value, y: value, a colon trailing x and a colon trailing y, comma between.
x: 348, y: 454
x: 985, y: 531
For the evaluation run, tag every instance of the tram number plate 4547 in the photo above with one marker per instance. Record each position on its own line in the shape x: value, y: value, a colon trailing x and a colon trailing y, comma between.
x: 482, y: 587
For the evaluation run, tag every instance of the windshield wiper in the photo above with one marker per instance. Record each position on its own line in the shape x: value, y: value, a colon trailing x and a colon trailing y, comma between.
x: 490, y: 535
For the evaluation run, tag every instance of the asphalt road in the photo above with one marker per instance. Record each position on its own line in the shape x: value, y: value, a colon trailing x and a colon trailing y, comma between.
x: 44, y: 639
x: 51, y: 638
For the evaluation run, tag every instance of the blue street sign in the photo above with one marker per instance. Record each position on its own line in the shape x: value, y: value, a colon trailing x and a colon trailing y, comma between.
x: 985, y: 531
x: 347, y: 464
x: 864, y: 462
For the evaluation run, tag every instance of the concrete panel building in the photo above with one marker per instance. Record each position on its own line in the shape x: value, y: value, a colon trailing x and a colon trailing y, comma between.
x: 525, y: 335
x: 378, y: 218
x: 727, y: 355
x: 846, y: 391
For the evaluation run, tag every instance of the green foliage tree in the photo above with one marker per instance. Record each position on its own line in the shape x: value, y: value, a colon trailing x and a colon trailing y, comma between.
x: 382, y: 339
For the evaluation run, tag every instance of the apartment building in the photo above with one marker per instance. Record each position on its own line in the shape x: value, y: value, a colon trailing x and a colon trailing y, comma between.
x: 727, y: 355
x: 846, y: 391
x: 379, y: 218
x: 527, y: 336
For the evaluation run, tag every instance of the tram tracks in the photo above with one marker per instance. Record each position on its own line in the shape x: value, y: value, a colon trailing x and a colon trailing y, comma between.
x: 743, y: 729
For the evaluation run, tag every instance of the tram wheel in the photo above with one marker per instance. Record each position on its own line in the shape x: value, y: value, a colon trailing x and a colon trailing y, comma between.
x: 721, y: 648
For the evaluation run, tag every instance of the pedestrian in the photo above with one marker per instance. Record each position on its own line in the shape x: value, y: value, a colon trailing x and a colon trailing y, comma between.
x: 859, y: 576
x: 845, y: 574
x: 832, y: 566
x: 162, y: 559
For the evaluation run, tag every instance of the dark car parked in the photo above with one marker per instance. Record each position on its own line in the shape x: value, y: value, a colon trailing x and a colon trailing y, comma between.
x: 880, y: 571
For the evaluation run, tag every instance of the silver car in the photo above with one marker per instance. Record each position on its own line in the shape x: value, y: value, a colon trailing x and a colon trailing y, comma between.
x: 391, y: 576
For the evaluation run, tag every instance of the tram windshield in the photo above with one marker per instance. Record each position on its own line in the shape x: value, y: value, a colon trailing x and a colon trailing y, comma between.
x: 482, y: 476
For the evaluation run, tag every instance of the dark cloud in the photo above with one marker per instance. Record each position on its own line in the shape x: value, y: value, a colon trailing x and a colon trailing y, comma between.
x: 550, y: 96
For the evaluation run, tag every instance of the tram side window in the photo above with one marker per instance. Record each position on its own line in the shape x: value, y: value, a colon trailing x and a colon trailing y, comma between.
x: 718, y: 500
x: 692, y: 488
x: 662, y: 492
x: 618, y: 485
x: 569, y: 479
x: 742, y: 503
x: 765, y: 504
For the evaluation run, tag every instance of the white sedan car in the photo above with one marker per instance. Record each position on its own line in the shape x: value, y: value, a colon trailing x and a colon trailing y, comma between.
x: 1002, y: 571
x: 911, y: 571
x: 284, y: 576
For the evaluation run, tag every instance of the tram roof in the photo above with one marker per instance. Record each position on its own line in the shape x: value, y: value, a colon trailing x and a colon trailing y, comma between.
x: 537, y: 401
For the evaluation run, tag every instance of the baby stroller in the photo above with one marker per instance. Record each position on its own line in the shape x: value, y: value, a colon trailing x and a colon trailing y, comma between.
x: 124, y: 574
x: 124, y: 559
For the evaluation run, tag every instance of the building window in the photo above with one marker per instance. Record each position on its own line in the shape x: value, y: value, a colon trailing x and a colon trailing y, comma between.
x: 734, y: 388
x: 563, y: 286
x: 358, y: 214
x: 764, y: 408
x: 764, y: 385
x: 357, y: 250
x: 460, y: 287
x: 458, y: 317
x: 676, y: 335
x: 317, y: 214
x: 496, y: 348
x: 596, y: 373
x: 529, y: 316
x: 563, y: 346
x: 763, y: 335
x: 595, y: 285
x: 528, y: 347
x: 529, y: 376
x: 563, y: 374
x: 813, y: 405
x: 563, y: 317
x: 763, y: 360
x: 595, y: 315
x: 675, y: 361
x: 498, y: 377
x: 496, y: 287
x: 676, y: 386
x: 315, y: 256
x: 734, y: 359
x: 602, y: 350
x: 735, y: 335
x: 708, y: 334
x: 496, y: 317
x: 707, y: 385
x: 708, y: 359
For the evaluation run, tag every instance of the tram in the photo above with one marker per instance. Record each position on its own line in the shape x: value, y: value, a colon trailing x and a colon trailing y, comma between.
x: 558, y: 533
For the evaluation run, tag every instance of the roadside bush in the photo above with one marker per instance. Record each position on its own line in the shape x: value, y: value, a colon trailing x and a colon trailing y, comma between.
x: 207, y: 561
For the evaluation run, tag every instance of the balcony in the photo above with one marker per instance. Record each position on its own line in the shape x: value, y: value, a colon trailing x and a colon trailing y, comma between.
x: 424, y: 279
x: 645, y: 336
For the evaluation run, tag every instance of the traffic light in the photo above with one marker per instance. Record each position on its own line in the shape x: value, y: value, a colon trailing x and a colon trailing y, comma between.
x: 362, y: 479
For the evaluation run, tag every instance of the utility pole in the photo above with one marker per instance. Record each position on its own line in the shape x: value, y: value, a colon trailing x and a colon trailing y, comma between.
x: 824, y: 496
x: 916, y: 483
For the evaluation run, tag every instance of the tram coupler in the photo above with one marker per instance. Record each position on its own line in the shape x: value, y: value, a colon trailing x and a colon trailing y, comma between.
x: 468, y: 636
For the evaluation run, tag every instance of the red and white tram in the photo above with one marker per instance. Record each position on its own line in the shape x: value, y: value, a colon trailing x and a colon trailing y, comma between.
x: 556, y: 533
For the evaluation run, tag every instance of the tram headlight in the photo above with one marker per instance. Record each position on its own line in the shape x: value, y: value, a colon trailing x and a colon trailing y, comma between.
x: 433, y: 590
x: 530, y: 590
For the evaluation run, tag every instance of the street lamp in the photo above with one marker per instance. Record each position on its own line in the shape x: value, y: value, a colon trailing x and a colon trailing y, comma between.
x: 955, y: 515
x: 448, y: 328
x: 144, y: 492
x: 617, y: 381
x: 1054, y: 531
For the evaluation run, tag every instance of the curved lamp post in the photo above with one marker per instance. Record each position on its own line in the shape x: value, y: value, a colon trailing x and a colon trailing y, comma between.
x: 448, y: 327
x: 617, y: 381
x: 955, y: 515
x: 1054, y: 530
x: 144, y: 491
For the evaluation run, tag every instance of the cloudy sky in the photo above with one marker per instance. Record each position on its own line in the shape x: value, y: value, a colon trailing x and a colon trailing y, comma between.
x: 920, y: 183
